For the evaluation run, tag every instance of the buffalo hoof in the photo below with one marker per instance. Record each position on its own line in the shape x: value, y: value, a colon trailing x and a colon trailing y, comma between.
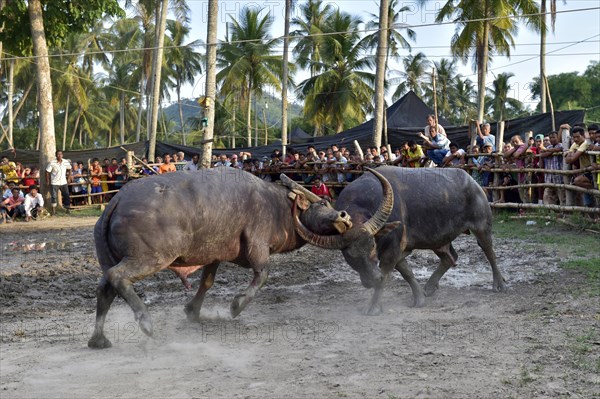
x: 145, y: 324
x: 374, y: 310
x: 191, y: 315
x: 237, y: 305
x: 499, y: 286
x: 99, y: 342
x: 418, y: 301
x: 430, y: 289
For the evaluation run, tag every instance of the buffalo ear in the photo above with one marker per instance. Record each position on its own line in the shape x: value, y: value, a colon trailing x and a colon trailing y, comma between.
x: 302, y: 202
x: 387, y: 228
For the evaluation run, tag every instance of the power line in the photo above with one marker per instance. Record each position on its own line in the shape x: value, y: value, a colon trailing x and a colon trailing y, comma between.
x: 292, y: 37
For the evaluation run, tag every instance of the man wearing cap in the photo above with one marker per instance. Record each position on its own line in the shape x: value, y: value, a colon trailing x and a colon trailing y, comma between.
x: 483, y: 131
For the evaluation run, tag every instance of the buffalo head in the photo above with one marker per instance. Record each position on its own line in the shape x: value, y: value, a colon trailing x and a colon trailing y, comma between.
x: 358, y: 242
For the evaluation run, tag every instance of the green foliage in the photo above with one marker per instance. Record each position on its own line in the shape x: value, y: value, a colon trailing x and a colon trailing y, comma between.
x: 572, y: 90
x: 61, y: 18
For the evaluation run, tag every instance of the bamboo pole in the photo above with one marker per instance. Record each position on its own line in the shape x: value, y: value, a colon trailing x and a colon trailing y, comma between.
x: 139, y: 160
x: 359, y: 150
x: 435, y: 112
x: 550, y: 100
x: 560, y: 208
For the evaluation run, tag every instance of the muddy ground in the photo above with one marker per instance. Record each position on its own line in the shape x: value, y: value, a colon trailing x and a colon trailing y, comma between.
x: 303, y: 336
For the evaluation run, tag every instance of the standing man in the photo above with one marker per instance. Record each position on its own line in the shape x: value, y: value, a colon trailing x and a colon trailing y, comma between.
x: 193, y: 164
x: 58, y: 176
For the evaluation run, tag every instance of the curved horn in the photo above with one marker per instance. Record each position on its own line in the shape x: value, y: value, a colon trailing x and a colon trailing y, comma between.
x: 380, y: 217
x: 327, y: 242
x: 292, y: 185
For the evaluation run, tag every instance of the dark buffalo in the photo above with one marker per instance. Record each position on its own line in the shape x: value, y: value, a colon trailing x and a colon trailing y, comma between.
x: 432, y: 206
x: 189, y: 220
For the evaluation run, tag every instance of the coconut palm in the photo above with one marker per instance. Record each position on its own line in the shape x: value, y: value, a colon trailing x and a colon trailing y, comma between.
x: 462, y: 102
x: 485, y: 28
x: 309, y: 33
x: 344, y: 89
x: 415, y: 76
x: 501, y: 103
x: 396, y: 40
x: 248, y: 62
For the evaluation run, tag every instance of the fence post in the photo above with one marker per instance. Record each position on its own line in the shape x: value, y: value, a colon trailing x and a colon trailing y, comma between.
x: 569, y: 194
x: 499, y: 150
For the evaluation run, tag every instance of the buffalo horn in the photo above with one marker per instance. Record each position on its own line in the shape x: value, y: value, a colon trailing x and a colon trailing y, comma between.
x: 327, y: 242
x: 292, y: 185
x: 380, y: 217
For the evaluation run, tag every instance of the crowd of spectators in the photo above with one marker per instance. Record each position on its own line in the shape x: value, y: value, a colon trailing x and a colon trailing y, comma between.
x: 326, y: 170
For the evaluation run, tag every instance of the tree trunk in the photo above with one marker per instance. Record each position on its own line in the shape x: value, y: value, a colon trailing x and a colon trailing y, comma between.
x: 44, y: 83
x: 482, y: 65
x: 64, y: 139
x: 2, y: 4
x: 211, y: 82
x: 382, y: 38
x: 24, y: 98
x: 543, y: 57
x: 157, y: 71
x: 284, y: 82
x: 249, y: 117
x: 183, y: 141
x: 138, y: 129
x: 122, y: 117
x: 75, y: 127
x: 11, y: 81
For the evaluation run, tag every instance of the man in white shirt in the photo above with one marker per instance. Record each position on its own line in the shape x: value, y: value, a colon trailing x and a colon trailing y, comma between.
x: 33, y: 203
x: 431, y: 127
x: 58, y: 175
x: 193, y: 164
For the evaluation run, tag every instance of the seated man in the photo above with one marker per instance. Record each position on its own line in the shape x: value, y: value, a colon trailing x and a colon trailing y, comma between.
x: 413, y: 155
x: 9, y: 207
x: 437, y: 146
x: 320, y: 189
x: 455, y: 157
x: 32, y: 204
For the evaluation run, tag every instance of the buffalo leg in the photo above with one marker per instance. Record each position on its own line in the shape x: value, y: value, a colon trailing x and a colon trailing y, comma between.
x: 105, y: 296
x: 241, y: 300
x: 192, y: 308
x: 123, y: 275
x: 417, y: 291
x: 448, y: 257
x: 484, y: 239
x: 387, y: 261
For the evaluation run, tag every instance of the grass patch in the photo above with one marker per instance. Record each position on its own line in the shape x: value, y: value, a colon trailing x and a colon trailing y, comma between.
x: 86, y: 212
x: 584, y: 350
x: 575, y: 245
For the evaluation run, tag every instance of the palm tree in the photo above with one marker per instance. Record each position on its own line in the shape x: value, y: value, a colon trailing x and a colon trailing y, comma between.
x: 412, y: 78
x: 184, y: 62
x: 211, y: 81
x: 485, y: 28
x: 446, y: 76
x: 462, y: 102
x: 248, y: 60
x: 309, y: 33
x: 396, y: 40
x: 344, y: 89
x: 501, y: 102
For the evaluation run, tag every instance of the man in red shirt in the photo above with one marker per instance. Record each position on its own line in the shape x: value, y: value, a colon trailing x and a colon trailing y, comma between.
x: 8, y: 207
x: 320, y: 189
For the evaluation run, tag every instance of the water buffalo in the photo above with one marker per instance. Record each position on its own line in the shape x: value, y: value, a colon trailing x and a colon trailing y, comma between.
x: 431, y: 207
x: 189, y: 220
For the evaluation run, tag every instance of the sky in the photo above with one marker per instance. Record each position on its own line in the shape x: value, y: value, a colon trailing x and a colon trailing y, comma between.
x: 564, y: 54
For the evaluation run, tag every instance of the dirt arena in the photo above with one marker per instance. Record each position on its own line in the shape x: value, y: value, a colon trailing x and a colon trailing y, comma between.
x: 304, y: 335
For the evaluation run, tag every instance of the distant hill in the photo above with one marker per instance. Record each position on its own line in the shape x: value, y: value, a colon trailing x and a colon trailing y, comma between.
x: 191, y: 108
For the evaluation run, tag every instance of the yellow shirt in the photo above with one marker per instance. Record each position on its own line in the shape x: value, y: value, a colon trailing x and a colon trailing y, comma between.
x: 584, y: 159
x: 10, y: 172
x: 418, y: 152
